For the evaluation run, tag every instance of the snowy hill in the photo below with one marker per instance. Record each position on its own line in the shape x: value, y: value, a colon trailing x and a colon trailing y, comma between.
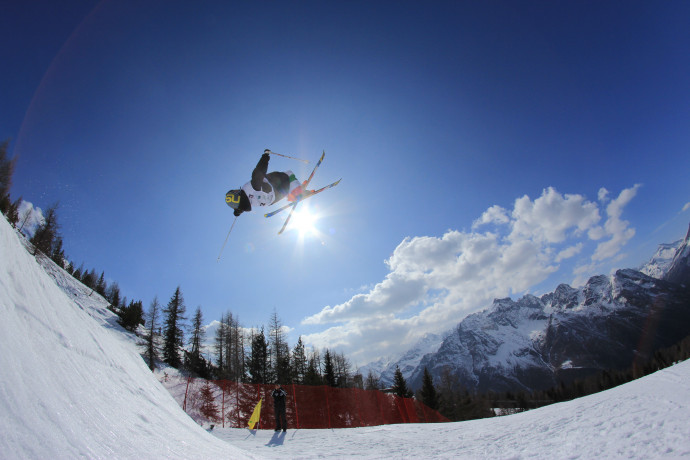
x: 73, y: 383
x: 73, y: 386
x: 644, y: 419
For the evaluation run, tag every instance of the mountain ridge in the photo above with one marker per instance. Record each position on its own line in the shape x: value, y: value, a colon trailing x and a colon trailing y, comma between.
x: 612, y: 322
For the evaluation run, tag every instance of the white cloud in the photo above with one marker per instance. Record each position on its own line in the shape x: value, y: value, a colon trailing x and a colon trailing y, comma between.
x: 686, y: 207
x: 495, y: 214
x: 550, y: 216
x: 29, y: 218
x: 618, y: 230
x: 434, y: 282
x: 603, y: 194
x: 569, y: 252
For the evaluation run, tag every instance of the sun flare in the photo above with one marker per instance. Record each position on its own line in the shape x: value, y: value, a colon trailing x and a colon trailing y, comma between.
x: 304, y: 222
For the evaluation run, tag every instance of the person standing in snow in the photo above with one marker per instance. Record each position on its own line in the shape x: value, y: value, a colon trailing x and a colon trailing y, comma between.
x: 264, y: 189
x: 279, y: 407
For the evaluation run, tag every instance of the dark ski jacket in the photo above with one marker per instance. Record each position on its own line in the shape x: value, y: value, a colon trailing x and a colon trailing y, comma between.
x: 278, y: 180
x: 279, y: 399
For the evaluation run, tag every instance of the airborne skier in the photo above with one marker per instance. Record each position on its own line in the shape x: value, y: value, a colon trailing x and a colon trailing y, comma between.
x: 265, y: 188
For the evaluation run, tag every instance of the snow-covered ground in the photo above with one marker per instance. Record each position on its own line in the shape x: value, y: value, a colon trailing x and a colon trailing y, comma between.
x: 645, y: 419
x: 72, y: 385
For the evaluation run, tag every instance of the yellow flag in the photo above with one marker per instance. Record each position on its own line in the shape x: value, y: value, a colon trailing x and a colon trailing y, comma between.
x: 254, y: 419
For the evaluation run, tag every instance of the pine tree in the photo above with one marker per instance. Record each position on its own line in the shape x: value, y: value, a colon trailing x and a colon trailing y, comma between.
x: 101, y: 285
x: 150, y: 337
x: 173, y: 335
x: 208, y: 408
x: 89, y: 279
x: 329, y: 373
x: 400, y: 385
x: 299, y: 362
x: 13, y: 212
x: 46, y: 234
x: 313, y: 375
x: 132, y: 315
x: 58, y: 254
x: 6, y: 172
x: 428, y: 393
x: 78, y: 273
x: 258, y: 365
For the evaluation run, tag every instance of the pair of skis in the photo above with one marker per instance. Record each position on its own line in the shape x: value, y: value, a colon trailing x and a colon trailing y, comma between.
x: 303, y: 196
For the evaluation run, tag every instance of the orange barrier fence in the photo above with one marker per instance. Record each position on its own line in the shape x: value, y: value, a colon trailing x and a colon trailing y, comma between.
x: 231, y: 405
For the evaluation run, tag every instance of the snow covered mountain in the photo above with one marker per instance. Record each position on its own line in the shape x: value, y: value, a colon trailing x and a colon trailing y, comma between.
x: 660, y: 262
x: 679, y: 269
x: 384, y: 368
x: 537, y: 342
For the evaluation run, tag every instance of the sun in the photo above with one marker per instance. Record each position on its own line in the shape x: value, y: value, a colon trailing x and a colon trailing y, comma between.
x: 304, y: 221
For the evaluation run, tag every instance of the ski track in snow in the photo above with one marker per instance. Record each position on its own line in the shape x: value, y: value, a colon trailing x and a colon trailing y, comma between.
x: 73, y: 385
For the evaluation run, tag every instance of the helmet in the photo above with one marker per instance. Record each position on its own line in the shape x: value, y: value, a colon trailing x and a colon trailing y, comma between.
x: 232, y: 198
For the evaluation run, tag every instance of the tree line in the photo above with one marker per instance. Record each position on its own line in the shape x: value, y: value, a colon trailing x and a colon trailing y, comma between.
x: 603, y: 380
x: 250, y: 355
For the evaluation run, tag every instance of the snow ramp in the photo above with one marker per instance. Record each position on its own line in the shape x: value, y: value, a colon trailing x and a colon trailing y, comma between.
x: 72, y: 383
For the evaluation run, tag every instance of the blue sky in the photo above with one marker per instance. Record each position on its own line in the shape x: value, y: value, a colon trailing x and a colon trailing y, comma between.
x: 487, y: 149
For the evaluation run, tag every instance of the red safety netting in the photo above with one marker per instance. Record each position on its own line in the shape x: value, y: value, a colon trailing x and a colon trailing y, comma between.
x: 309, y: 406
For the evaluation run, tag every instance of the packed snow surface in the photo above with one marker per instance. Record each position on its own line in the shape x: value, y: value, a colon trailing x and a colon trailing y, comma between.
x: 72, y: 385
x: 72, y: 382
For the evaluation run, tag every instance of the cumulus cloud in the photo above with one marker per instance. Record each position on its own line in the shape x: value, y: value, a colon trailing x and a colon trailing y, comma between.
x: 552, y: 215
x: 495, y: 214
x: 434, y: 282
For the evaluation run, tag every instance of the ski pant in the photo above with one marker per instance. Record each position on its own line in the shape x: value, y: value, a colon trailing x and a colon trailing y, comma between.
x: 281, y: 419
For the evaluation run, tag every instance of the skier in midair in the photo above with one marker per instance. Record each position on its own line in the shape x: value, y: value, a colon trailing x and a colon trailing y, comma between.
x: 265, y: 188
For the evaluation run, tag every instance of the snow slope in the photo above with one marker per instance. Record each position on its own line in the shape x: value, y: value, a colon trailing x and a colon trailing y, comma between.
x: 658, y: 265
x: 72, y: 382
x: 73, y: 385
x: 644, y: 419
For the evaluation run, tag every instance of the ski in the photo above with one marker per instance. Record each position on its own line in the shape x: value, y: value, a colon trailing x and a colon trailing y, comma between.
x: 283, y: 208
x: 306, y: 184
